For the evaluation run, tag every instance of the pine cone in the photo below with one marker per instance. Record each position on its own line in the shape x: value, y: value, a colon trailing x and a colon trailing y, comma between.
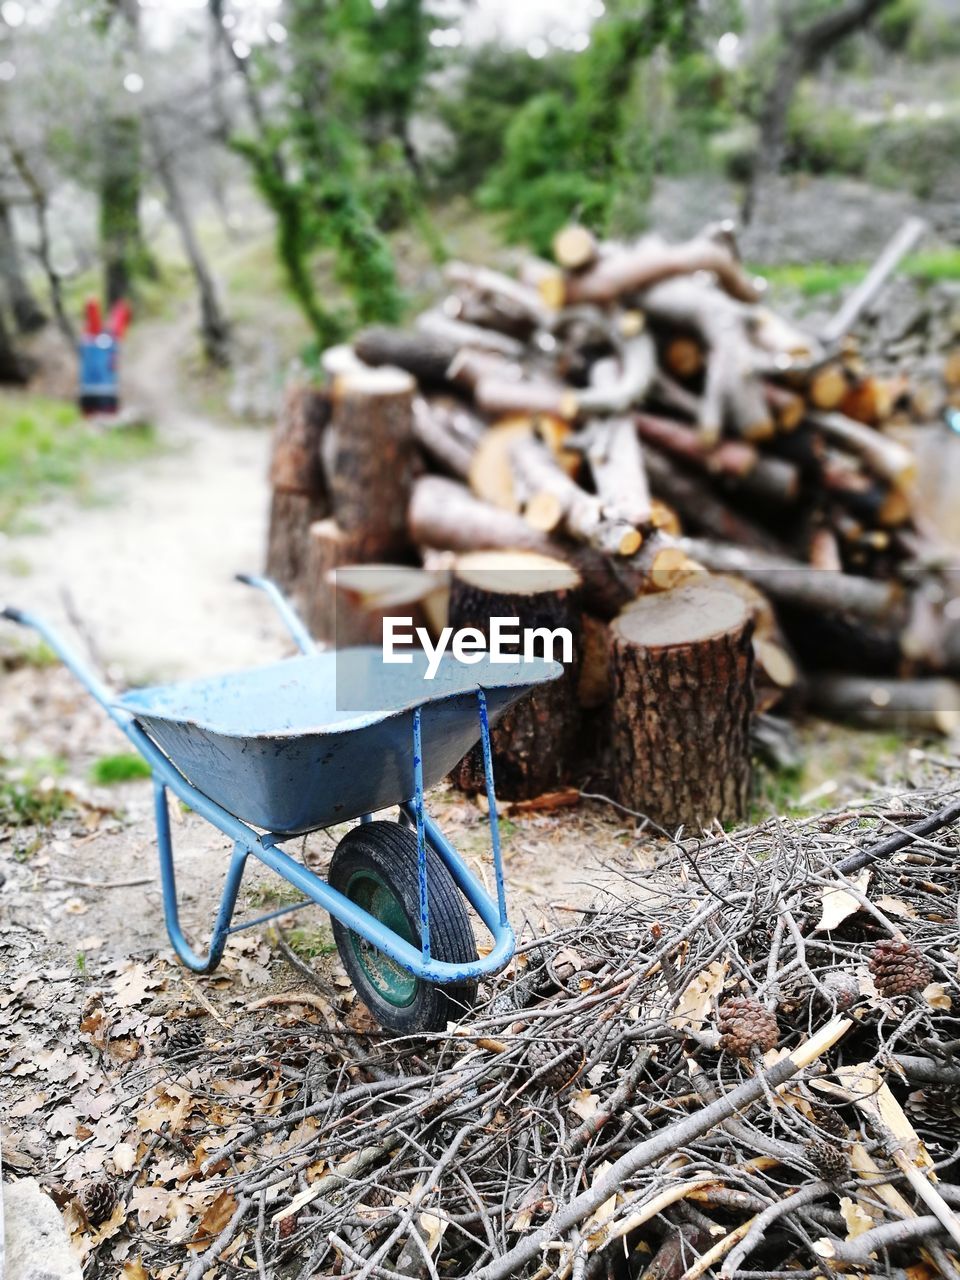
x: 840, y: 987
x: 746, y: 1025
x: 99, y: 1199
x: 184, y: 1036
x: 555, y: 1064
x: 899, y: 968
x: 936, y: 1108
x: 829, y: 1121
x: 829, y: 1160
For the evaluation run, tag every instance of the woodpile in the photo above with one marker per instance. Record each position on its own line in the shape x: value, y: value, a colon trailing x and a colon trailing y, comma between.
x: 640, y: 415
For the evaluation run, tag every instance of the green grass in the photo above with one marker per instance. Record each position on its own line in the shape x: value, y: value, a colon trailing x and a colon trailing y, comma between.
x: 47, y: 447
x: 124, y: 767
x: 309, y: 943
x: 814, y: 279
x: 30, y: 795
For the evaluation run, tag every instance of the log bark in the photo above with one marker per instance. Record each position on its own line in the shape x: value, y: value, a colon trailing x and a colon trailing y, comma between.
x: 295, y: 464
x: 701, y: 509
x: 460, y: 334
x: 510, y: 305
x: 791, y: 582
x: 499, y: 397
x: 582, y: 514
x: 884, y: 457
x: 327, y: 548
x: 534, y: 744
x: 682, y: 667
x: 448, y: 433
x: 632, y: 269
x: 426, y: 355
x: 915, y: 706
x: 616, y: 463
x: 291, y: 515
x: 369, y: 458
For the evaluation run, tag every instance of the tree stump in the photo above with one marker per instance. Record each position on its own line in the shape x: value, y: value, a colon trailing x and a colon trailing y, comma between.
x: 682, y: 666
x: 296, y: 478
x: 291, y: 515
x: 369, y: 456
x: 534, y: 744
x: 328, y: 548
x: 365, y: 594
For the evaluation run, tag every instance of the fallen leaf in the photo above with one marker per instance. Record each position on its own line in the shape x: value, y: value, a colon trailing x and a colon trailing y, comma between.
x: 838, y: 903
x: 585, y: 1104
x: 936, y: 996
x: 699, y: 995
x: 218, y: 1214
x: 433, y: 1228
x: 896, y: 907
x: 135, y: 1270
x: 856, y: 1217
x: 124, y: 1157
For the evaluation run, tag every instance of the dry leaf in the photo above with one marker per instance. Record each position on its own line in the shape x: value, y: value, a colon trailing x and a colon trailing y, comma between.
x: 433, y: 1228
x: 585, y: 1104
x: 936, y: 996
x: 838, y: 903
x: 698, y: 996
x: 856, y: 1217
x: 124, y: 1157
x: 135, y: 1270
x: 896, y: 907
x: 218, y: 1214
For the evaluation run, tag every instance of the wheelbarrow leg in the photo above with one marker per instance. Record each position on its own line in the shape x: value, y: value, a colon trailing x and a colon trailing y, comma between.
x: 221, y: 928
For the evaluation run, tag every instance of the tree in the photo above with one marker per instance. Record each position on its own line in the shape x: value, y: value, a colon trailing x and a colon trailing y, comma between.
x: 805, y: 41
x: 27, y: 312
x: 563, y: 150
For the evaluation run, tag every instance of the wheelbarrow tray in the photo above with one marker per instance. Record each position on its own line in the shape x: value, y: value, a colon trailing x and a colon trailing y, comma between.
x: 317, y: 740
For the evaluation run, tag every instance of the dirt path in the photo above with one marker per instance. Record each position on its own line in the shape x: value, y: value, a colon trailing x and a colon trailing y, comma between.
x: 151, y: 568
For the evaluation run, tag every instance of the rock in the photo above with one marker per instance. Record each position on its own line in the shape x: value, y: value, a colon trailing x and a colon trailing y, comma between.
x: 36, y: 1245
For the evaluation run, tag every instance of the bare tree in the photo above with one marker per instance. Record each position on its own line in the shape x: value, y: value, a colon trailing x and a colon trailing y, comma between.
x: 804, y: 48
x: 27, y: 312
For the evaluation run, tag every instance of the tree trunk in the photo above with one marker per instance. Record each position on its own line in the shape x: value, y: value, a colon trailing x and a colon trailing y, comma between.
x: 534, y: 744
x: 291, y: 515
x: 214, y: 326
x: 27, y: 313
x: 682, y: 667
x: 328, y: 548
x: 125, y: 255
x: 369, y: 456
x: 803, y: 50
x: 12, y: 369
x: 295, y: 464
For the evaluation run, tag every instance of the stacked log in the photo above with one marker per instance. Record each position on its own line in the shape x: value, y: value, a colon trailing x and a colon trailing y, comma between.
x: 639, y: 413
x: 298, y: 488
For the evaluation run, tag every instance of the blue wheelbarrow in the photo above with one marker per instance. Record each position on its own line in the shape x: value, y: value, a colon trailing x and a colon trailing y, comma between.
x: 314, y: 741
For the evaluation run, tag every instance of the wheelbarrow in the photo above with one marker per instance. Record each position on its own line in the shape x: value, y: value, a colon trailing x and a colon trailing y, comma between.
x: 317, y: 740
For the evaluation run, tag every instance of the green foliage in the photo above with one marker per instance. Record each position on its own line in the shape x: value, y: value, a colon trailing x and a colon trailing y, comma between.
x: 824, y: 139
x: 564, y: 154
x: 814, y: 279
x: 895, y: 23
x: 30, y: 795
x: 336, y: 164
x: 913, y: 153
x: 309, y: 943
x: 478, y: 106
x: 124, y: 767
x: 45, y: 445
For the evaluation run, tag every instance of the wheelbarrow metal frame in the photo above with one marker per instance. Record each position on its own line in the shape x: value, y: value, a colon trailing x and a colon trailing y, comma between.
x: 264, y: 847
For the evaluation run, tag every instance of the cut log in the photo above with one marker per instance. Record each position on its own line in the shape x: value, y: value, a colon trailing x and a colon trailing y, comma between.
x: 616, y: 392
x: 510, y: 305
x: 682, y: 667
x: 593, y: 684
x: 795, y: 583
x: 732, y: 392
x: 366, y: 594
x: 534, y: 744
x: 885, y: 457
x: 773, y: 480
x: 582, y: 514
x: 426, y: 355
x: 775, y: 667
x: 575, y: 247
x: 341, y: 359
x: 500, y: 396
x: 468, y: 367
x: 827, y: 386
x: 295, y: 465
x: 700, y: 508
x: 683, y: 356
x: 448, y: 433
x: 632, y: 269
x: 459, y: 334
x: 491, y: 473
x: 327, y: 548
x: 787, y: 407
x: 369, y: 455
x: 615, y: 458
x: 291, y: 515
x: 911, y: 706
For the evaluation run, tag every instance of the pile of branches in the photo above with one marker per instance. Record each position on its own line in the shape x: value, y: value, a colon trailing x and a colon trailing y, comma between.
x: 744, y: 1064
x: 641, y: 412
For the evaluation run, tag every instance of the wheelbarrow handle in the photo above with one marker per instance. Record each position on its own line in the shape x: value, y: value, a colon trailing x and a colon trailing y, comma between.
x: 288, y: 614
x: 13, y: 614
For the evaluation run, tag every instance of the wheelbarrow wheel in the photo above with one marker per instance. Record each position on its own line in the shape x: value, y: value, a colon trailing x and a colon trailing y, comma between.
x: 375, y: 866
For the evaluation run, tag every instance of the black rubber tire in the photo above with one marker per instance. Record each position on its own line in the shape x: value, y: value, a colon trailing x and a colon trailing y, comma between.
x: 390, y: 851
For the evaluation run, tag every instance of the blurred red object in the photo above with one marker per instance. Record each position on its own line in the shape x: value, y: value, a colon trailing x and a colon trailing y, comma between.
x: 120, y: 318
x: 94, y: 318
